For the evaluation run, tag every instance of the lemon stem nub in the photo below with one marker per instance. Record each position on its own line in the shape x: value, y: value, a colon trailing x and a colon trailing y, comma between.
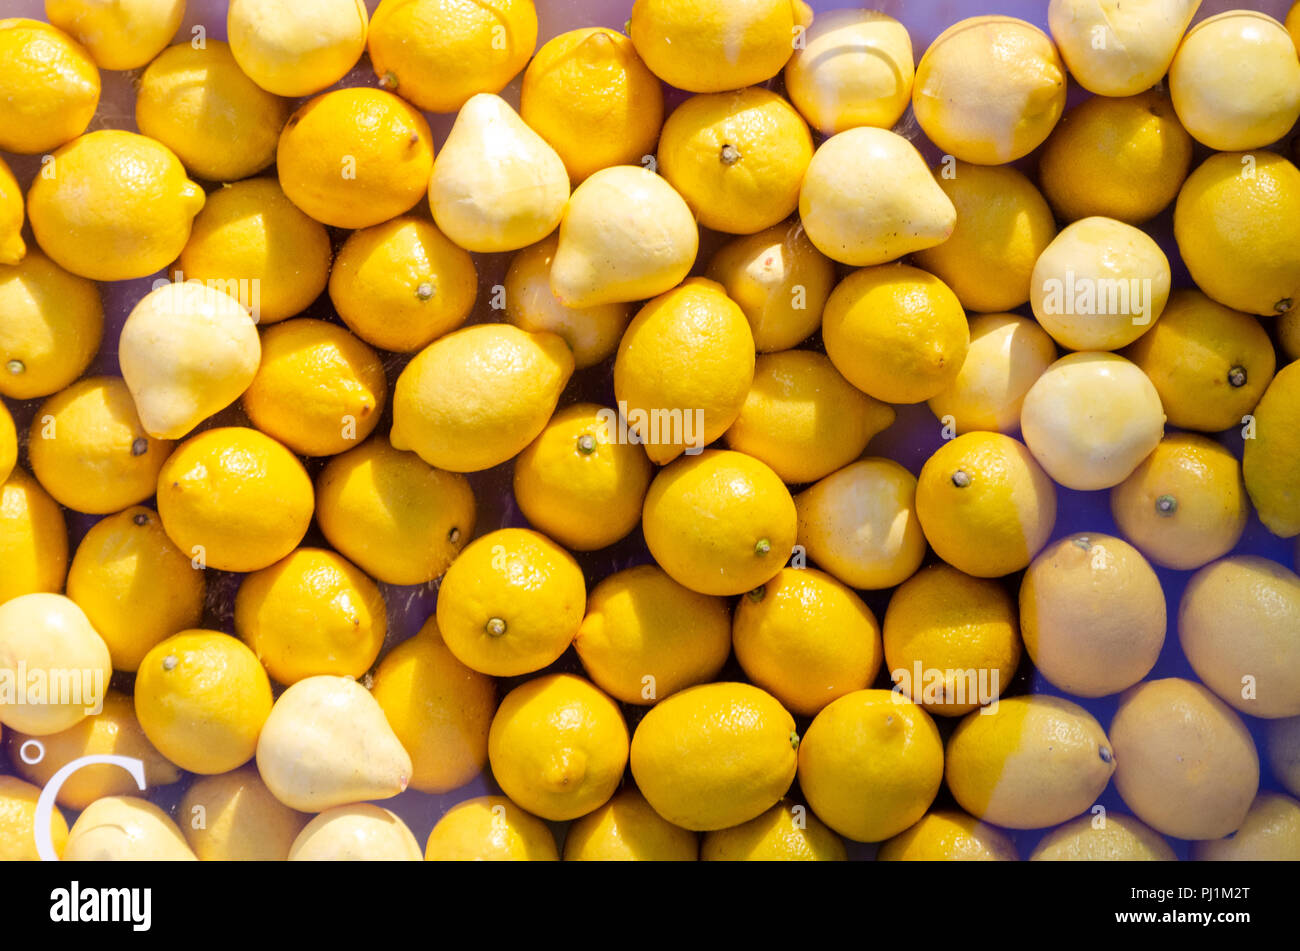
x: 170, y: 662
x: 496, y: 627
x: 1166, y: 505
x: 758, y: 594
x: 424, y: 291
x: 586, y: 444
x: 763, y: 547
x: 140, y: 446
x: 453, y: 536
x: 15, y: 367
x: 1284, y: 305
x: 388, y: 81
x: 730, y: 155
x: 794, y: 740
x: 960, y: 479
x: 1106, y: 756
x: 140, y: 518
x: 1237, y: 377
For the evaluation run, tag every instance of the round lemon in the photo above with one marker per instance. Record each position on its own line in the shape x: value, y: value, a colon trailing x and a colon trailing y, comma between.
x: 125, y: 828
x: 18, y: 822
x: 33, y: 538
x: 1282, y: 748
x: 948, y: 835
x: 785, y: 833
x: 119, y: 34
x: 627, y: 829
x: 1272, y: 456
x: 1269, y: 833
x: 49, y: 87
x: 12, y: 245
x: 53, y: 325
x: 358, y: 832
x: 1108, y: 838
x: 295, y: 49
x: 232, y: 817
x: 490, y: 828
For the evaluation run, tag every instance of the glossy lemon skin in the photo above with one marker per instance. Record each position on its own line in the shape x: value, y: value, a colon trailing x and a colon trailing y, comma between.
x: 33, y: 538
x: 18, y: 822
x: 627, y: 829
x: 294, y: 49
x: 49, y: 87
x: 54, y: 322
x: 785, y: 833
x: 948, y: 835
x: 490, y: 829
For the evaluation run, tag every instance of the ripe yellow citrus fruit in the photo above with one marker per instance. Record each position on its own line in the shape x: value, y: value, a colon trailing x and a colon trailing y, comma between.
x: 49, y: 87
x: 1110, y: 838
x: 785, y: 833
x: 8, y: 444
x: 122, y: 34
x: 12, y: 245
x: 1269, y: 833
x: 490, y: 828
x: 18, y: 822
x: 296, y: 49
x: 948, y: 835
x: 33, y: 538
x: 233, y: 817
x: 1270, y: 459
x: 53, y: 324
x: 626, y: 829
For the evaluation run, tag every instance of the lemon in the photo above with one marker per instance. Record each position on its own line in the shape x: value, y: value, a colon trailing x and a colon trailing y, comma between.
x: 232, y: 817
x: 806, y: 639
x: 355, y: 157
x: 1272, y: 456
x: 440, y: 710
x: 626, y: 829
x: 402, y: 284
x: 986, y: 506
x: 439, y: 53
x: 1109, y: 838
x: 90, y: 452
x: 802, y: 417
x: 645, y: 636
x: 511, y: 603
x: 1237, y: 623
x: 738, y: 158
x: 719, y: 523
x: 1031, y: 762
x: 948, y: 835
x: 1288, y: 334
x: 136, y: 587
x: 1282, y: 748
x: 119, y: 34
x: 1185, y: 505
x: 1003, y: 225
x: 311, y: 613
x: 397, y: 518
x: 18, y: 822
x: 1269, y: 833
x: 49, y: 87
x: 490, y: 828
x: 1092, y: 613
x: 1187, y: 765
x: 870, y: 764
x: 125, y: 829
x: 234, y: 499
x: 12, y: 246
x: 201, y: 698
x: 1237, y: 223
x: 588, y: 94
x: 780, y: 280
x: 114, y: 731
x: 1292, y: 24
x: 8, y: 444
x: 53, y: 325
x: 989, y: 89
x: 785, y: 833
x: 252, y: 242
x: 33, y: 538
x: 714, y: 45
x: 577, y: 483
x: 360, y: 832
x: 896, y: 332
x: 199, y: 104
x: 1119, y: 49
x: 295, y: 49
x: 1116, y: 158
x: 952, y: 642
x: 592, y: 333
x: 714, y: 756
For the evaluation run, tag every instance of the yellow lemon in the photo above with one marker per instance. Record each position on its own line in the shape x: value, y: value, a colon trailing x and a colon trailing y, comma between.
x: 53, y: 325
x: 806, y: 639
x: 896, y: 332
x: 1271, y: 458
x: 802, y: 417
x: 439, y: 53
x: 1116, y: 158
x: 714, y: 756
x: 90, y: 452
x: 645, y: 637
x: 120, y: 34
x: 398, y: 519
x: 18, y: 822
x: 311, y: 613
x: 578, y: 483
x: 780, y: 280
x: 511, y: 603
x: 253, y: 243
x: 1288, y: 334
x: 490, y: 829
x: 439, y: 709
x: 1003, y: 225
x: 201, y: 698
x: 986, y: 506
x: 1092, y: 613
x: 1119, y: 49
x: 1185, y: 505
x: 948, y: 836
x: 871, y: 764
x: 1269, y: 833
x: 952, y: 642
x: 125, y: 829
x: 33, y: 538
x: 1292, y: 23
x: 12, y: 246
x: 234, y: 499
x: 720, y: 522
x: 136, y: 587
x: 199, y: 104
x: 1282, y: 748
x: 1109, y: 838
x: 296, y: 49
x: 626, y: 829
x: 357, y: 832
x: 355, y: 157
x: 232, y: 817
x: 49, y: 87
x: 785, y: 833
x: 8, y: 444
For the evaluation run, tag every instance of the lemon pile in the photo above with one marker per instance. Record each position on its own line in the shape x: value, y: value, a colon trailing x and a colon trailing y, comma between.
x: 728, y: 610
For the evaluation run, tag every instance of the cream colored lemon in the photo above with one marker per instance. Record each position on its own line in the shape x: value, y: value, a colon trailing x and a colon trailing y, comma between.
x: 511, y: 603
x: 948, y: 835
x: 53, y: 325
x: 1269, y: 833
x: 1003, y: 225
x: 627, y: 829
x: 234, y: 499
x: 117, y: 207
x: 785, y: 833
x: 1185, y: 505
x: 33, y: 538
x: 319, y: 390
x: 1282, y: 748
x: 125, y: 828
x: 119, y: 34
x: 233, y: 817
x: 49, y: 88
x: 1097, y: 838
x: 18, y: 822
x: 1271, y: 457
x: 438, y: 708
x: 1092, y: 614
x: 986, y: 506
x: 1118, y: 49
x: 12, y: 245
x: 1187, y: 765
x: 684, y: 367
x: 490, y: 829
x: 292, y: 49
x: 626, y: 235
x: 868, y: 198
x: 645, y: 636
x: 356, y: 833
x: 399, y: 519
x: 952, y: 642
x: 476, y: 397
x: 1091, y: 419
